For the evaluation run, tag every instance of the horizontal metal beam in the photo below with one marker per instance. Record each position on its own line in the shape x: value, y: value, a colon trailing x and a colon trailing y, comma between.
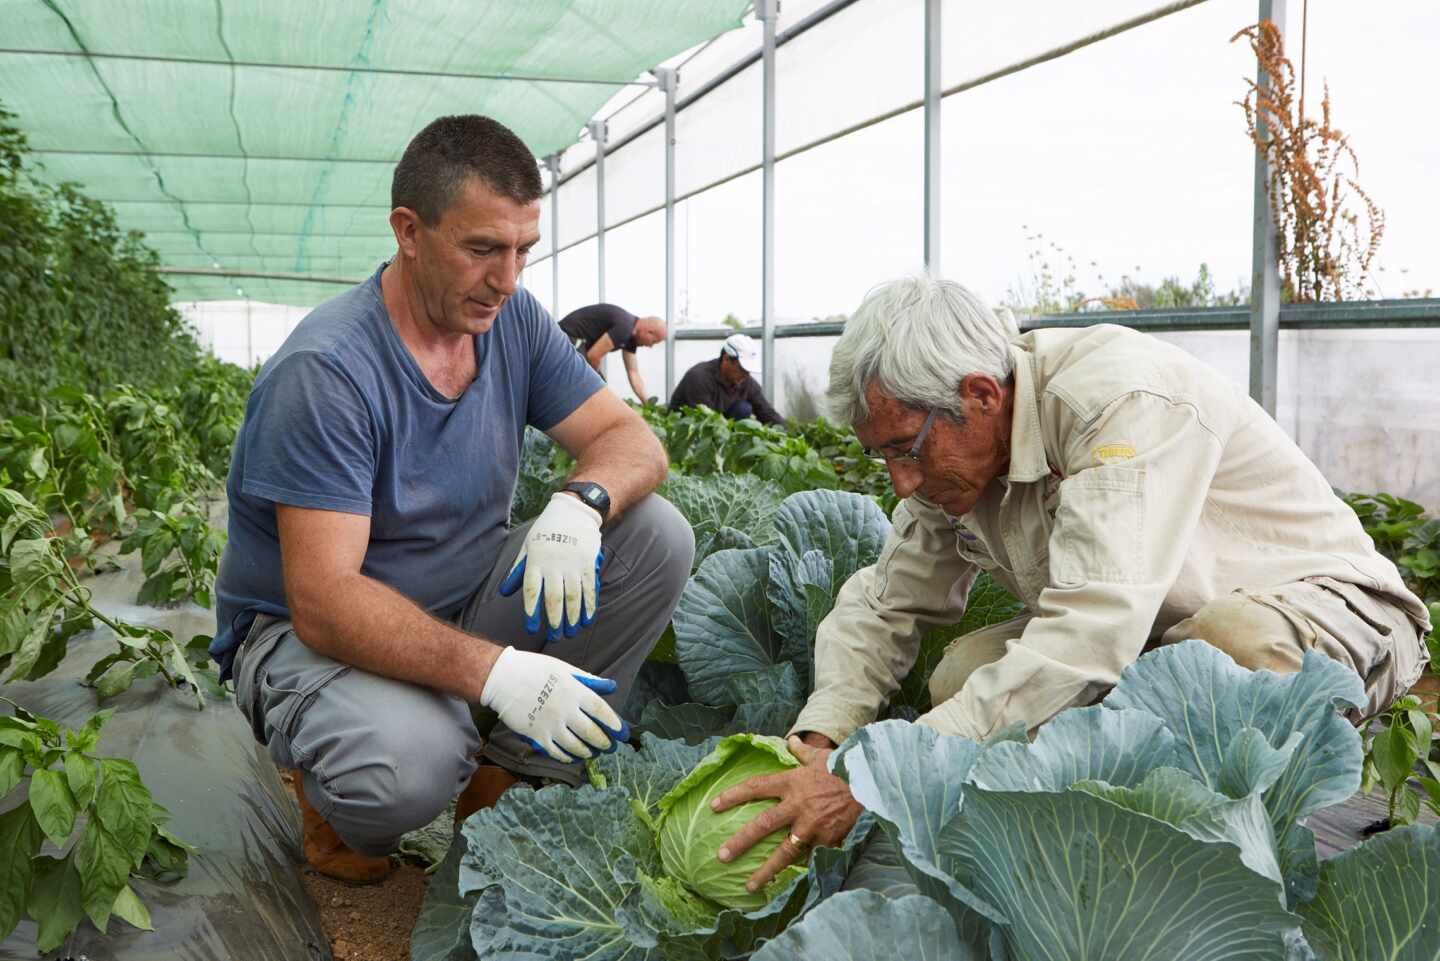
x: 1342, y: 316
x: 272, y: 65
x: 257, y: 275
x: 256, y: 233
x: 181, y: 155
x: 242, y: 203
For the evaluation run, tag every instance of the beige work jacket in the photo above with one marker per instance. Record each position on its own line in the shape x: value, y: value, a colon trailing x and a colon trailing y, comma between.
x: 1141, y: 485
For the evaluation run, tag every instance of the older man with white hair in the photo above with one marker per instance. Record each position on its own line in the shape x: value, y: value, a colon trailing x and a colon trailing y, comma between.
x: 1127, y: 493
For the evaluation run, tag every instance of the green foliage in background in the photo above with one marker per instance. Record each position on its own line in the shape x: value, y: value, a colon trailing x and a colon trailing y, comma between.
x: 69, y: 277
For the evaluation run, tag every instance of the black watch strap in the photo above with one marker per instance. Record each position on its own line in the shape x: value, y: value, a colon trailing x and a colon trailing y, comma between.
x: 593, y: 495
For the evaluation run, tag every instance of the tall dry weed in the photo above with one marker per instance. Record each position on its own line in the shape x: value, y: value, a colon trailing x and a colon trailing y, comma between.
x: 1328, y: 230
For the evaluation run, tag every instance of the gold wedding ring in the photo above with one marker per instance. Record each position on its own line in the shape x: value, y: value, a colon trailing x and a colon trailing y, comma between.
x: 796, y: 842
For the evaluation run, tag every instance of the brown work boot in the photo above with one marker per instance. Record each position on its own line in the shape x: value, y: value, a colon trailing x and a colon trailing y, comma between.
x: 486, y: 785
x: 329, y: 855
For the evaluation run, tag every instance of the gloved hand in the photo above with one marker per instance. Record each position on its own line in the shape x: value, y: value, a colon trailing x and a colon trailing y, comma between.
x: 560, y: 567
x: 554, y: 706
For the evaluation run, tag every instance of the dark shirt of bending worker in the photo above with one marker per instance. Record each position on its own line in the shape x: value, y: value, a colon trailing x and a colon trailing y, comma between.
x: 728, y: 384
x: 602, y: 328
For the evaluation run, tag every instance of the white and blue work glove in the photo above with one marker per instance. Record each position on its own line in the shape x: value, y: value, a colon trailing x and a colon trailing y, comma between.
x: 554, y: 706
x: 559, y: 566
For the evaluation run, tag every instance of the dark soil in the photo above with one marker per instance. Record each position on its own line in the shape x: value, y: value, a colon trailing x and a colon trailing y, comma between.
x: 369, y: 922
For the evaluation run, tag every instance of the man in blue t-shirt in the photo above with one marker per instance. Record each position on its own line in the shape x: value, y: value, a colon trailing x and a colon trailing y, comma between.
x: 367, y: 591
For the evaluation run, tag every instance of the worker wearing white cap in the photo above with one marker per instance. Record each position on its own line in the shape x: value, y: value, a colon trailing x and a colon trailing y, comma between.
x: 729, y: 383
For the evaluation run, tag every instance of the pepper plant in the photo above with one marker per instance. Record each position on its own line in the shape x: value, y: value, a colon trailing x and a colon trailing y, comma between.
x: 179, y: 554
x: 43, y: 605
x: 121, y: 829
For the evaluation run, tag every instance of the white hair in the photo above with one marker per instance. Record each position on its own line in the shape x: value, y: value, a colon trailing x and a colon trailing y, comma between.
x: 915, y: 339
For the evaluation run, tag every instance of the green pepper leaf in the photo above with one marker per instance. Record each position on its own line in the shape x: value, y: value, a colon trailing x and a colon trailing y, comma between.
x: 20, y: 839
x: 83, y: 775
x: 123, y: 806
x: 12, y: 768
x: 53, y: 803
x: 1394, y: 755
x: 104, y: 866
x: 128, y: 908
x: 55, y: 901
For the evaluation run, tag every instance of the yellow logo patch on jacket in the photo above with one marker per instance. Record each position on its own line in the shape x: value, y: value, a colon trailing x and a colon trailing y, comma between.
x: 1114, y: 453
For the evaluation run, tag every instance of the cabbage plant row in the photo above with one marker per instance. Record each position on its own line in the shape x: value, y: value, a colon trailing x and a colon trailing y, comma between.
x: 1166, y: 822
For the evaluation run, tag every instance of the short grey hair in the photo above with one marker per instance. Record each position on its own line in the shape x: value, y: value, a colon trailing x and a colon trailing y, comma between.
x: 916, y: 339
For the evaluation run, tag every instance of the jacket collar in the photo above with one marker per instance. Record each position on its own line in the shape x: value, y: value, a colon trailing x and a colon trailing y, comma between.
x: 1028, y: 462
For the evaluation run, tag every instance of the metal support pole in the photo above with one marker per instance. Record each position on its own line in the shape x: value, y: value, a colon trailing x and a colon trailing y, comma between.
x: 249, y: 335
x: 668, y: 81
x: 552, y: 163
x: 1265, y: 271
x: 932, y: 136
x: 597, y: 133
x: 768, y: 12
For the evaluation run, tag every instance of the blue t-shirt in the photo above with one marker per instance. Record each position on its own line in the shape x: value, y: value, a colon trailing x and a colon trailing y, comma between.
x: 341, y: 418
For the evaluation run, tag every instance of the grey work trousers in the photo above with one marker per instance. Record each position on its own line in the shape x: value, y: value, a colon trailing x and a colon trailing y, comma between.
x: 381, y: 757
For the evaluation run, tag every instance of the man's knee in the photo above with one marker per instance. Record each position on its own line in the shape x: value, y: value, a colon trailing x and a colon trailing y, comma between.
x: 1255, y: 635
x: 664, y: 545
x: 400, y: 787
x: 396, y: 771
x: 970, y: 652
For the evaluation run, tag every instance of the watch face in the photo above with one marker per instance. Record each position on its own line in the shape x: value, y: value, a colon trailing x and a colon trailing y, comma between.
x: 592, y: 494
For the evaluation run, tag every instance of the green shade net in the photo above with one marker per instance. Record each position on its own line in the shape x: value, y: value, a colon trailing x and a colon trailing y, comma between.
x: 262, y: 134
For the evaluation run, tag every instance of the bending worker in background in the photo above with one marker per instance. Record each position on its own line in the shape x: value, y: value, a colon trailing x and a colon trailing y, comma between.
x: 367, y: 591
x: 602, y: 328
x: 1125, y: 491
x: 728, y: 383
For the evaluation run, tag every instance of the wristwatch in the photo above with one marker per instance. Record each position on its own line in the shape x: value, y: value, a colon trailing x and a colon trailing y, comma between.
x: 593, y: 495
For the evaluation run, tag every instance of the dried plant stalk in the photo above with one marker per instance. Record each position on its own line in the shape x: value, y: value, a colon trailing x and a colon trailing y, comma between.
x: 1328, y: 230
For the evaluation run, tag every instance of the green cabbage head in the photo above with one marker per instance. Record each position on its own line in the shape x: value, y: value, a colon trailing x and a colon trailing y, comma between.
x: 690, y: 833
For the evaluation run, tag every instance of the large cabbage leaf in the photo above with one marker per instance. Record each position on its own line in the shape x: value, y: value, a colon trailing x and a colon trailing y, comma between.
x: 725, y: 510
x: 753, y: 613
x: 911, y: 780
x: 1208, y: 701
x: 558, y: 872
x: 722, y: 623
x: 1028, y: 841
x: 825, y: 537
x: 1378, y: 900
x: 1079, y: 876
x: 865, y: 926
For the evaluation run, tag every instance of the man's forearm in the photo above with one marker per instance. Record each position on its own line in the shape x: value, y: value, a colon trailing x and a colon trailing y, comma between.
x: 364, y: 623
x: 628, y: 461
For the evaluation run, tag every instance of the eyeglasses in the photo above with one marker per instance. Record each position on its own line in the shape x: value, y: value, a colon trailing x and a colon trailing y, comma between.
x: 913, y: 454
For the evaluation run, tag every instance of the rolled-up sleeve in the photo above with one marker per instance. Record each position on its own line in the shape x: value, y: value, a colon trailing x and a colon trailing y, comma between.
x: 869, y: 642
x: 1135, y: 484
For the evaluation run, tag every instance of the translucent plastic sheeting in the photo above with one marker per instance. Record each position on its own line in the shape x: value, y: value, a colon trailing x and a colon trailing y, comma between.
x: 242, y: 897
x: 720, y: 133
x: 1130, y: 157
x: 848, y: 215
x: 718, y: 254
x: 577, y: 207
x: 635, y: 177
x: 579, y: 277
x: 862, y: 61
x: 166, y: 103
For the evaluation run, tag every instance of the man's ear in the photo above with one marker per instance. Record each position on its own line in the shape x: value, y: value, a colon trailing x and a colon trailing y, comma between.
x: 983, y: 391
x: 406, y: 225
